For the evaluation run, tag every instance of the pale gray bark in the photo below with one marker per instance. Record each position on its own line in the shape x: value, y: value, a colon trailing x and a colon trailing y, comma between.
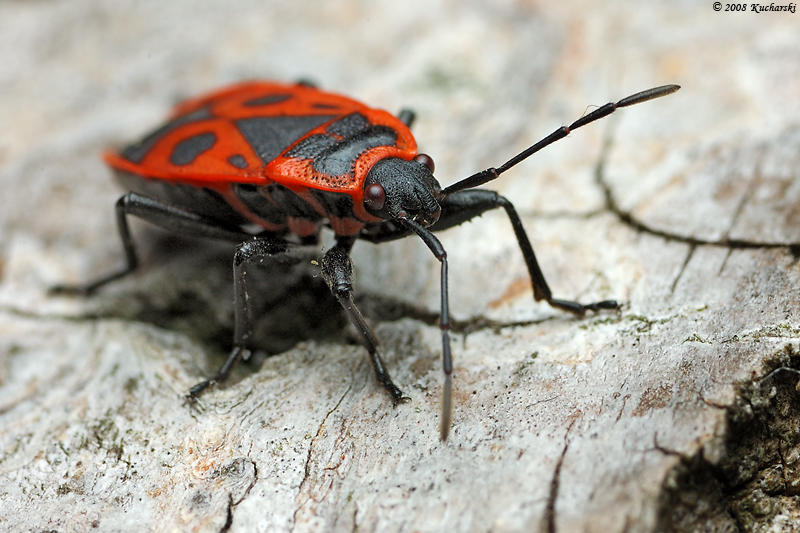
x: 684, y: 209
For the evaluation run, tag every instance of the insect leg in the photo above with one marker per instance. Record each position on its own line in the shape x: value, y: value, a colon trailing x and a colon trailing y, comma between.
x: 465, y: 205
x: 337, y: 271
x: 257, y: 250
x: 160, y: 214
x: 407, y: 116
x: 188, y: 223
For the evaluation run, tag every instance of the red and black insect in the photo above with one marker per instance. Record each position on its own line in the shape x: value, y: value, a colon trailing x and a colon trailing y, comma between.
x: 291, y: 159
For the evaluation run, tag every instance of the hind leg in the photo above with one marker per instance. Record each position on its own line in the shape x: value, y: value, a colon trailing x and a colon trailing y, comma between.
x: 161, y: 214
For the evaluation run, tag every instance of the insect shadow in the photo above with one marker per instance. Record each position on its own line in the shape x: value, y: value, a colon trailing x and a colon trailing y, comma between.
x: 185, y: 283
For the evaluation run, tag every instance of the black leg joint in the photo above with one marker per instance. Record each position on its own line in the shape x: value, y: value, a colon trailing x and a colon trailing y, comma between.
x: 337, y: 271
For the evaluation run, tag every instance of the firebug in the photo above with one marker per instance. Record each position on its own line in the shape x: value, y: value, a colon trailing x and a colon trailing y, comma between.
x: 290, y: 159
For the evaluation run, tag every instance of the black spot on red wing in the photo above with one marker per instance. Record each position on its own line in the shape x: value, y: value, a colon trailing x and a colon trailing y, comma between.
x: 136, y: 152
x: 238, y: 161
x: 349, y: 125
x: 267, y: 100
x: 270, y: 136
x: 325, y: 106
x: 186, y: 151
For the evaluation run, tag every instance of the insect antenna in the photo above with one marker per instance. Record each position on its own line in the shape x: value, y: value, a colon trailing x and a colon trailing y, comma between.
x: 438, y: 250
x: 492, y: 173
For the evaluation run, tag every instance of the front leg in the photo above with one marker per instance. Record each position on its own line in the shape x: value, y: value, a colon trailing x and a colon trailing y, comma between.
x: 462, y: 206
x: 465, y: 205
x: 540, y: 289
x: 337, y: 271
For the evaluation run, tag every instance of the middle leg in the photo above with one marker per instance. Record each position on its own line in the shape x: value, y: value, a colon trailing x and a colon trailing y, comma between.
x: 337, y: 271
x: 258, y: 250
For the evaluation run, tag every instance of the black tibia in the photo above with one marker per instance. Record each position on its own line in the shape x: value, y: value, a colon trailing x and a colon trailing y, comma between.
x: 160, y: 214
x: 258, y: 250
x: 540, y: 289
x: 254, y: 250
x: 237, y: 354
x: 337, y: 271
x: 465, y: 205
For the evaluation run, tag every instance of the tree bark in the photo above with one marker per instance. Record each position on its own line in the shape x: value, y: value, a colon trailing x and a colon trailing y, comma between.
x: 678, y: 413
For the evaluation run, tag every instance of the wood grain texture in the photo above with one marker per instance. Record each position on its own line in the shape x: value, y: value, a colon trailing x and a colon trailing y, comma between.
x: 664, y: 417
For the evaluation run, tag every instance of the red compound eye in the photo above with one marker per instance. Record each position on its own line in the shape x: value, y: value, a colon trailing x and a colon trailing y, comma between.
x: 426, y: 160
x: 374, y: 196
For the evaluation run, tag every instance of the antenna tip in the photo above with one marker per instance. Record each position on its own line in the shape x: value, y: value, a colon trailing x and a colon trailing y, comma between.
x: 649, y: 94
x: 447, y: 408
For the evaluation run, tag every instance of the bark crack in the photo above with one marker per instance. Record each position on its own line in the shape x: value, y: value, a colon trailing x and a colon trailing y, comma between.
x: 229, y: 518
x: 311, y: 446
x: 252, y: 484
x: 549, y: 519
x: 628, y: 219
x: 749, y: 480
x: 689, y: 255
x: 233, y: 504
